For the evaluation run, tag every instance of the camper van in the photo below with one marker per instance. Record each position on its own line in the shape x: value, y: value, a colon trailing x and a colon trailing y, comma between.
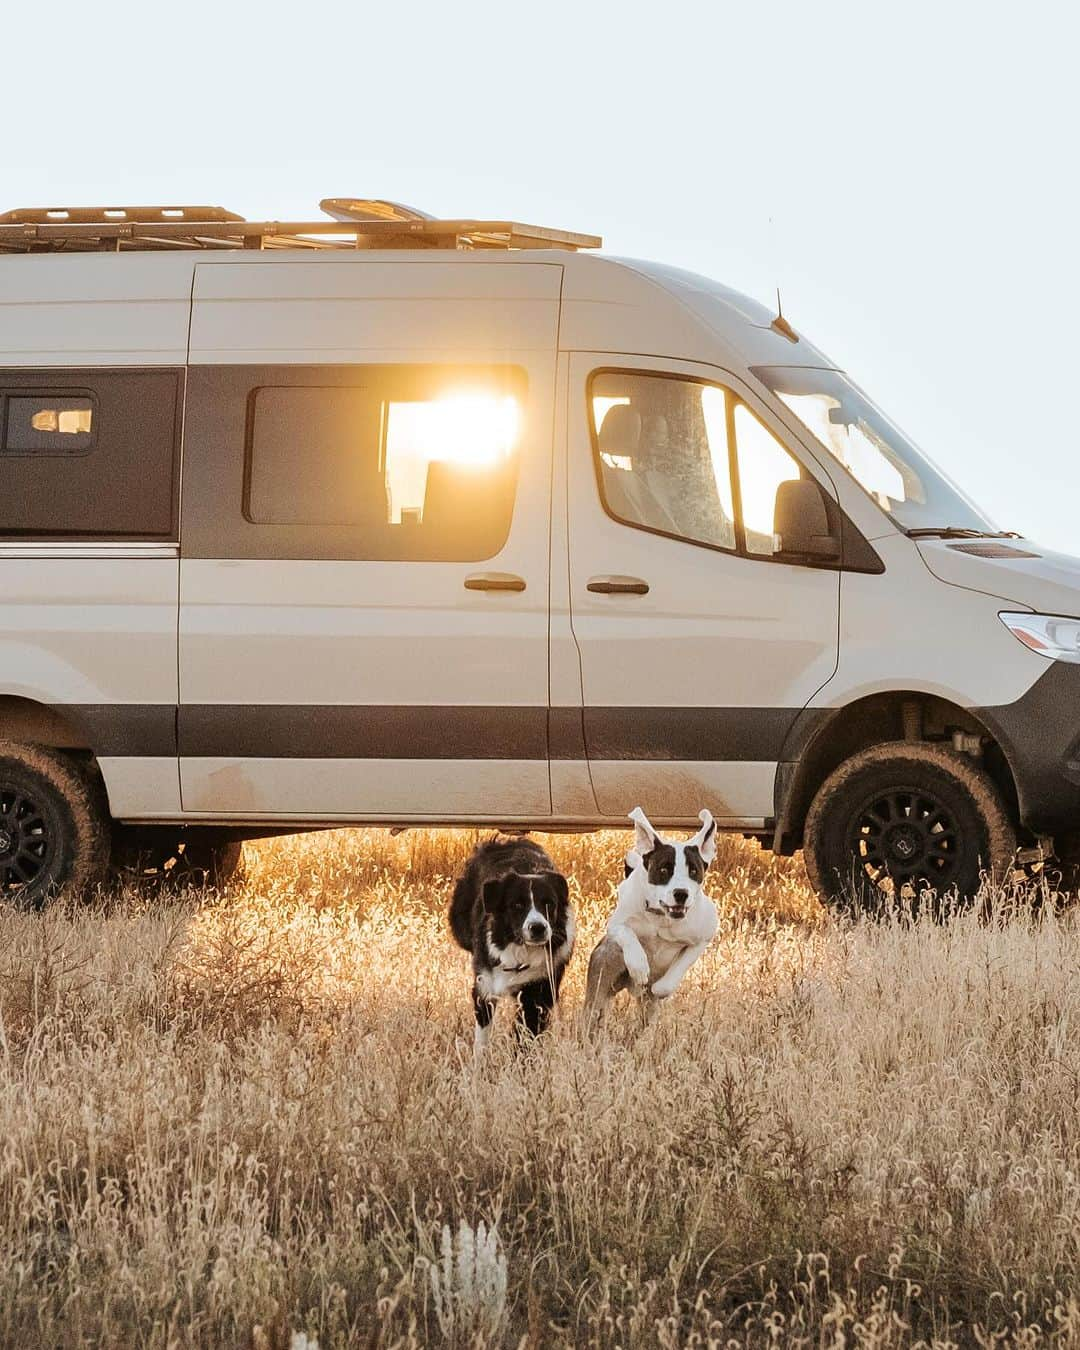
x: 381, y: 519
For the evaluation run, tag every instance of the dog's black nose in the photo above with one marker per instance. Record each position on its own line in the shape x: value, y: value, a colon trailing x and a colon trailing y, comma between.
x: 537, y: 931
x: 680, y: 897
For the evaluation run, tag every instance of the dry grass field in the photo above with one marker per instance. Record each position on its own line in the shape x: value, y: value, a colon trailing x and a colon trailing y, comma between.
x: 252, y: 1119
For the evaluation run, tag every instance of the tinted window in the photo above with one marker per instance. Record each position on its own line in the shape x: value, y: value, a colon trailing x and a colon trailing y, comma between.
x: 89, y: 453
x: 314, y: 458
x: 48, y: 424
x: 687, y: 459
x: 410, y: 466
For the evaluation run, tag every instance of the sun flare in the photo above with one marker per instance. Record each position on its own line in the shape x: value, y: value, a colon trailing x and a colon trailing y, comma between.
x: 467, y: 429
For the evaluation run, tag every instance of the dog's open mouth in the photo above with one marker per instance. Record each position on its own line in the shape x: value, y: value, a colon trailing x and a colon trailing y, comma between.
x: 676, y: 911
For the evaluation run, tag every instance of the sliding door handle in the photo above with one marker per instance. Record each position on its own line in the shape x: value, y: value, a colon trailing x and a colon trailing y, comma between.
x: 494, y: 581
x: 618, y: 586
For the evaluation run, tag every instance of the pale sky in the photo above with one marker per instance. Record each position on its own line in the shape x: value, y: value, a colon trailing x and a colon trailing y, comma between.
x: 907, y: 174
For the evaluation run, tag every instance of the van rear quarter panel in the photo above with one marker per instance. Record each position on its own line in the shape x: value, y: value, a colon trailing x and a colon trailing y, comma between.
x: 95, y: 637
x: 91, y: 629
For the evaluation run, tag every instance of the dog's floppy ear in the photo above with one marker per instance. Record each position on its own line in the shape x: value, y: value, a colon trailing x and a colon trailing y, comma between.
x: 705, y: 839
x: 491, y: 893
x: 645, y: 837
x: 631, y: 863
x: 559, y: 885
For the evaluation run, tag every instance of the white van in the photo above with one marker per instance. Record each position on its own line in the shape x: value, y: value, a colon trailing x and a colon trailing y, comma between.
x: 395, y: 521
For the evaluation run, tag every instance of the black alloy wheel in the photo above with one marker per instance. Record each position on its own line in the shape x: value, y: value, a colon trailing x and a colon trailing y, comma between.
x: 29, y: 829
x: 909, y: 836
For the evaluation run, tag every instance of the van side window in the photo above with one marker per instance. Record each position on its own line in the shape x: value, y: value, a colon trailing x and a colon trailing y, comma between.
x: 763, y: 464
x: 663, y: 455
x: 404, y: 468
x: 90, y: 454
x: 314, y: 458
x: 48, y: 424
x: 686, y: 459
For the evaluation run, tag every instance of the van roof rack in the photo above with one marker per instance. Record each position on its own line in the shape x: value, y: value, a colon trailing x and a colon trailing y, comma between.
x: 356, y: 223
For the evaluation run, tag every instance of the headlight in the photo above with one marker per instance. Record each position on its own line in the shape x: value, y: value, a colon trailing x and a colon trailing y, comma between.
x: 1050, y: 635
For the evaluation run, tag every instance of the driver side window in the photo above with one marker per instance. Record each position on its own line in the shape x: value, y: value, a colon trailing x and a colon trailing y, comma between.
x: 688, y: 460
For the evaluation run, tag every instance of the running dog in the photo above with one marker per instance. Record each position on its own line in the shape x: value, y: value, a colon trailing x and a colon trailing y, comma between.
x: 511, y: 911
x: 663, y: 921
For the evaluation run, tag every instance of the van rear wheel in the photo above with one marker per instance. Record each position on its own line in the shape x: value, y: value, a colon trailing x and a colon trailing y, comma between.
x: 903, y: 820
x: 160, y: 857
x: 54, y: 826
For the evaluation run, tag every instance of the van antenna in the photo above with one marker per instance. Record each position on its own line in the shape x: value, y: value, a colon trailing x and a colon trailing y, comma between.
x: 780, y: 324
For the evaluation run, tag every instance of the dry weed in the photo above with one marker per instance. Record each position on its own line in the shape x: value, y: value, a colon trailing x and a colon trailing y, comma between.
x: 252, y: 1119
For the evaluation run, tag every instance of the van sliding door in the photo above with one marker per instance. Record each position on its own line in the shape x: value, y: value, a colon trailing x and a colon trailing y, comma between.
x: 364, y: 564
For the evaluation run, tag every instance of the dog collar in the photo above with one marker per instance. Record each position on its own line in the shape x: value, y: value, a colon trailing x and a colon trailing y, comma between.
x: 515, y: 970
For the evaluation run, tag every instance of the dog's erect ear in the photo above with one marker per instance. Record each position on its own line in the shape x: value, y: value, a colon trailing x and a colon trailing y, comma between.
x: 631, y: 863
x: 645, y: 837
x: 705, y: 839
x: 491, y: 893
x: 559, y: 885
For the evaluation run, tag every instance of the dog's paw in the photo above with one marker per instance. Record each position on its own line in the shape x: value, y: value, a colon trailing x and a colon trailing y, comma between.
x: 663, y: 989
x: 638, y: 970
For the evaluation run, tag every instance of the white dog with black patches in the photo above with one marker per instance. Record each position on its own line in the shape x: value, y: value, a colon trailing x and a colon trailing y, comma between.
x: 663, y: 921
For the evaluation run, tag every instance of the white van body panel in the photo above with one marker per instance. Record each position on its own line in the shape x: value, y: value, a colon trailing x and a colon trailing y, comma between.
x: 88, y: 630
x: 922, y: 636
x: 715, y: 634
x: 92, y: 635
x: 1047, y: 582
x: 366, y: 635
x: 90, y: 310
x: 386, y: 790
x: 363, y: 634
x: 324, y: 311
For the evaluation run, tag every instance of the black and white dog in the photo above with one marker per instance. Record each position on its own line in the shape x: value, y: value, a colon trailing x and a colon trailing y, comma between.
x: 511, y: 910
x: 663, y: 920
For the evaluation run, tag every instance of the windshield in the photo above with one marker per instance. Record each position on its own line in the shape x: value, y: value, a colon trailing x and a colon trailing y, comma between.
x: 874, y: 451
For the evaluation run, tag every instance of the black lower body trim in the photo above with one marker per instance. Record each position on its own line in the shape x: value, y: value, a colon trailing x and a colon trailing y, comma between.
x: 136, y: 730
x: 377, y: 731
x: 381, y: 731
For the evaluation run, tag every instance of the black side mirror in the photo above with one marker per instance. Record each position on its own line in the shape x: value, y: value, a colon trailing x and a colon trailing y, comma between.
x: 802, y: 522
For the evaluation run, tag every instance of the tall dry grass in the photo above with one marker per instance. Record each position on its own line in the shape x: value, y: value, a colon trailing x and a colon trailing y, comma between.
x: 253, y: 1118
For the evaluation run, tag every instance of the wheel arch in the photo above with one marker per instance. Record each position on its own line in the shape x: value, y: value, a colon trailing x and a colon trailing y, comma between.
x: 27, y: 720
x: 821, y: 743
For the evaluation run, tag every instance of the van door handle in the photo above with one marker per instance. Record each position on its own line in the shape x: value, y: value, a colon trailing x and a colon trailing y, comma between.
x: 494, y: 581
x: 618, y: 586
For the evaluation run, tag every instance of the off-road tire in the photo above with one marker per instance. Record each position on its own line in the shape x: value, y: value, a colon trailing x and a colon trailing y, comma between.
x: 155, y: 857
x: 54, y: 826
x: 922, y: 816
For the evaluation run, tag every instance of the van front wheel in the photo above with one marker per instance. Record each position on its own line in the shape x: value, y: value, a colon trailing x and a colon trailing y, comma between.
x: 902, y: 820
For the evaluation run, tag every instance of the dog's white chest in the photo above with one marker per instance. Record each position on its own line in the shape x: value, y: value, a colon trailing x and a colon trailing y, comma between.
x: 517, y: 967
x: 661, y: 953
